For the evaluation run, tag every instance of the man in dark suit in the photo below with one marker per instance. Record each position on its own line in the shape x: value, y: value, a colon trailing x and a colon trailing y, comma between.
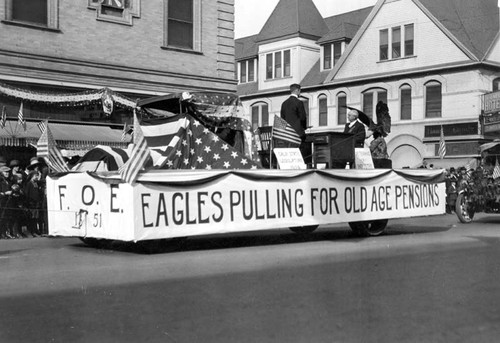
x: 355, y: 127
x: 294, y: 113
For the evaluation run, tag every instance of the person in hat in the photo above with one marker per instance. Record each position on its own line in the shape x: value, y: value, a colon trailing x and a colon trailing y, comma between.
x: 16, y: 169
x: 356, y: 128
x: 3, y: 161
x: 5, y: 192
x: 34, y: 197
x: 294, y: 113
x: 35, y: 164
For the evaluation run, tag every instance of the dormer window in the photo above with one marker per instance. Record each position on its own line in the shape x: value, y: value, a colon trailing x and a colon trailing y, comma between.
x: 278, y: 65
x: 331, y: 54
x: 247, y: 71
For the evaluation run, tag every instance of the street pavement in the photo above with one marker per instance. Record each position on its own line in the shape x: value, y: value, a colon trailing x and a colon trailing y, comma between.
x: 428, y: 279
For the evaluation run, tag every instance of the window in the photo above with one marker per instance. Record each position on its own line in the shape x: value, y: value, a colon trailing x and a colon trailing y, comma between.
x: 323, y: 110
x: 396, y: 34
x: 247, y: 71
x: 183, y: 24
x: 337, y: 52
x: 116, y: 11
x: 396, y: 42
x: 341, y: 109
x: 36, y: 13
x: 409, y: 40
x: 260, y: 115
x: 496, y: 84
x: 405, y: 102
x: 433, y: 99
x: 329, y: 50
x: 370, y: 99
x: 327, y: 56
x: 278, y: 65
x: 384, y: 45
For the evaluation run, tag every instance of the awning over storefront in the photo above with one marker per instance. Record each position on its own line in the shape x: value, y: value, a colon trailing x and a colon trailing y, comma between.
x: 67, y: 135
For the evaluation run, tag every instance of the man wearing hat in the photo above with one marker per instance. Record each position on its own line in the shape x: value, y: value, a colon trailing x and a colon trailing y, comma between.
x: 3, y: 161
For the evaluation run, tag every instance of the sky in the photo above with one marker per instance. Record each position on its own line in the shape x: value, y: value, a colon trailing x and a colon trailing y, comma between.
x: 251, y: 15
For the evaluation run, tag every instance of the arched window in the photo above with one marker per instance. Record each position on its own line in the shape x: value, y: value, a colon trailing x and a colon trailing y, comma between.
x: 323, y: 110
x: 433, y: 99
x: 496, y: 84
x: 341, y: 108
x: 405, y: 102
x: 260, y: 115
x: 370, y: 99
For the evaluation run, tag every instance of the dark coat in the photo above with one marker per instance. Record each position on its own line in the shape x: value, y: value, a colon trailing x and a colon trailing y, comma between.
x: 294, y: 113
x: 358, y: 130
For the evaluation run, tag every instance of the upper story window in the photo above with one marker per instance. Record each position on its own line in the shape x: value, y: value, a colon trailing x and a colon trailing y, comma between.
x: 405, y: 102
x: 433, y: 99
x: 183, y: 24
x: 394, y: 36
x: 496, y: 84
x: 116, y: 11
x: 323, y: 110
x: 278, y: 65
x: 370, y: 99
x: 341, y: 108
x: 331, y: 54
x: 260, y: 115
x: 247, y: 71
x: 36, y: 13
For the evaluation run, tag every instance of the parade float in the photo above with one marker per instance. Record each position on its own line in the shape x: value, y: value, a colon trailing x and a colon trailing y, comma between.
x: 192, y: 170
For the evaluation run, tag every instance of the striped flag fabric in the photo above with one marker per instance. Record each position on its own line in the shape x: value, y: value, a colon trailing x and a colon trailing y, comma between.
x: 138, y: 157
x: 183, y: 142
x: 442, y: 145
x: 282, y: 130
x: 3, y: 119
x: 126, y: 129
x: 496, y: 170
x: 41, y: 126
x: 47, y: 149
x: 20, y: 117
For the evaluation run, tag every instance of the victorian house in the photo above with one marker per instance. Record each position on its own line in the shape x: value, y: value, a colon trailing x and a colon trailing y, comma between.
x: 431, y: 61
x: 58, y: 56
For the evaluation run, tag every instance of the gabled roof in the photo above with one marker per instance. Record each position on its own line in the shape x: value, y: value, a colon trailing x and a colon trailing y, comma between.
x: 293, y: 18
x: 345, y: 25
x: 246, y: 47
x: 473, y: 23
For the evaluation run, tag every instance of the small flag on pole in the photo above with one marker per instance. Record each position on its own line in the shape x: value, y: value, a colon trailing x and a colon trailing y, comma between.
x: 126, y: 129
x: 496, y: 170
x: 20, y: 117
x: 282, y: 130
x: 3, y: 119
x: 47, y: 149
x: 140, y: 154
x: 442, y: 145
x: 41, y: 126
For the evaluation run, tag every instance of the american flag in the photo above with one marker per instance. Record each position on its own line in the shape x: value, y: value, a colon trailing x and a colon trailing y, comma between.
x: 41, y: 126
x: 126, y: 129
x: 139, y: 156
x: 20, y: 117
x: 3, y: 119
x: 496, y: 170
x: 282, y: 130
x: 182, y: 142
x: 442, y: 145
x: 47, y: 149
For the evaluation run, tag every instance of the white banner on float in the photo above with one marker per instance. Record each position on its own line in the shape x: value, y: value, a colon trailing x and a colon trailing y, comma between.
x: 81, y: 205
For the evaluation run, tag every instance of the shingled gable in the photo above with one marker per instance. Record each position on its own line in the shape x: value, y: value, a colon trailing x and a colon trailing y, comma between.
x: 293, y: 18
x: 245, y: 48
x: 473, y: 38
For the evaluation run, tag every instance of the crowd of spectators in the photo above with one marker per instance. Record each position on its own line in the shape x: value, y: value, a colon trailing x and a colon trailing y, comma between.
x: 23, y: 205
x: 479, y: 181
